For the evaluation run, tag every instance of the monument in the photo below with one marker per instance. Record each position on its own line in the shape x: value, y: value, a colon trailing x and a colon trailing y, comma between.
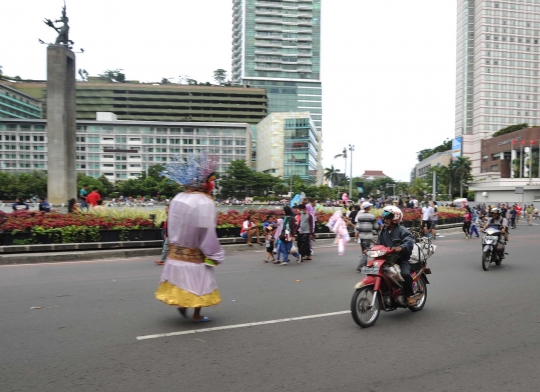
x: 61, y: 115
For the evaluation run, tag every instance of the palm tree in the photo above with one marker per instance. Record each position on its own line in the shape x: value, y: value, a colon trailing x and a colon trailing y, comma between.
x: 462, y: 171
x: 331, y: 174
x: 418, y: 187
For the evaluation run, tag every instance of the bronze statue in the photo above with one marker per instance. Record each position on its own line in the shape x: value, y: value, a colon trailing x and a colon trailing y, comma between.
x: 63, y: 31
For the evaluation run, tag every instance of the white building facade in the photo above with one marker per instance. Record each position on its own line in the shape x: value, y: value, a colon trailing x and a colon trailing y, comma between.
x: 121, y: 150
x: 497, y: 80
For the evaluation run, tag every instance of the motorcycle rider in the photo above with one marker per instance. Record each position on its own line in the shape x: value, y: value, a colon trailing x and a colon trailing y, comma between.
x: 500, y: 223
x: 392, y: 234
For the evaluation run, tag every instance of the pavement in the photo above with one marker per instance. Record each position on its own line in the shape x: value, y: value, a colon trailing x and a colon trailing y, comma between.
x: 95, y: 326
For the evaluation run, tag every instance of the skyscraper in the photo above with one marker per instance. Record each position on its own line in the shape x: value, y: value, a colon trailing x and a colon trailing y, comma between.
x: 497, y: 69
x: 276, y: 46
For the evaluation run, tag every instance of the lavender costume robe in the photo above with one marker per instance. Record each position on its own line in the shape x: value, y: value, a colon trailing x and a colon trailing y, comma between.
x: 191, y: 224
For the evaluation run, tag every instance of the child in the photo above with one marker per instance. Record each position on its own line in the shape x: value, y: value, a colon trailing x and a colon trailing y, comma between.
x: 474, y: 223
x: 269, y: 243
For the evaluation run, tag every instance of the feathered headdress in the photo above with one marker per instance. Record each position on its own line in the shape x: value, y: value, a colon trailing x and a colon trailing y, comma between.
x: 193, y: 170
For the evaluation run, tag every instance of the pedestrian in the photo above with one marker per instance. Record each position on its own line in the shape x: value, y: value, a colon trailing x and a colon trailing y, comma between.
x: 286, y: 235
x: 427, y: 211
x: 305, y: 231
x: 82, y: 196
x: 188, y: 278
x: 164, y: 233
x: 467, y: 222
x: 44, y: 205
x: 20, y: 205
x: 99, y: 206
x: 475, y: 222
x: 529, y: 211
x: 277, y: 241
x: 434, y: 219
x: 269, y: 243
x: 366, y: 224
x: 339, y: 227
x: 513, y: 214
x: 352, y: 219
x: 250, y: 229
x: 311, y: 211
x: 93, y: 197
x: 519, y: 211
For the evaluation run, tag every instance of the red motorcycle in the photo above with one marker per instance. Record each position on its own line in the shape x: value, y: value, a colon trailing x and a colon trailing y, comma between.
x: 382, y: 288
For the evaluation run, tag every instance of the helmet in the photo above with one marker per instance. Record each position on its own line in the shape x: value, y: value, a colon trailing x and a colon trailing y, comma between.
x: 495, y: 210
x: 393, y: 213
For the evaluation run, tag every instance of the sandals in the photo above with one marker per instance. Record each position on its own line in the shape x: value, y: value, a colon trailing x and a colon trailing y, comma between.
x: 159, y: 262
x: 203, y: 320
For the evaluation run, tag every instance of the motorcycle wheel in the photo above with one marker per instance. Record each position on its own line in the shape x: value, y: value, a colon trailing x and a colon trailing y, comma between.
x: 486, y: 259
x: 499, y: 260
x: 361, y: 312
x: 419, y: 287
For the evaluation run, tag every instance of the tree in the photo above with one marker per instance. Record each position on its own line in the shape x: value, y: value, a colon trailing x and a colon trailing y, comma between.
x: 191, y: 81
x: 236, y: 179
x: 107, y: 187
x: 220, y: 76
x: 115, y: 76
x: 165, y: 81
x: 426, y: 153
x: 331, y: 174
x: 461, y: 168
x: 83, y: 74
x: 509, y: 129
x: 371, y: 187
x: 418, y: 187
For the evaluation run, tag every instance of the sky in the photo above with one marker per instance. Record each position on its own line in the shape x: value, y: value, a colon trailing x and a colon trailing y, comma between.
x: 388, y: 67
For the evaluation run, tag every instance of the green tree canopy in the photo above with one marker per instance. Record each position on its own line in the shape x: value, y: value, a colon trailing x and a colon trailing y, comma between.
x: 114, y: 75
x: 510, y: 129
x: 220, y: 76
x: 426, y: 153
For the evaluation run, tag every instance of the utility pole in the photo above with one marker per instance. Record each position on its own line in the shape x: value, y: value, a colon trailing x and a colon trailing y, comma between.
x: 434, y: 186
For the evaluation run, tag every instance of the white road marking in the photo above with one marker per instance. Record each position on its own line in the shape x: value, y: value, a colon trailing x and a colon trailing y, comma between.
x: 163, y: 335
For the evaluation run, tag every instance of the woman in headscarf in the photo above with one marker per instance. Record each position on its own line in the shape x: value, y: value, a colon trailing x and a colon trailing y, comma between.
x: 188, y: 279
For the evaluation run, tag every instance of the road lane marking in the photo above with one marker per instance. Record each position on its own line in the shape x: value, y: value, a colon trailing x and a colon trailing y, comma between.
x: 235, y: 326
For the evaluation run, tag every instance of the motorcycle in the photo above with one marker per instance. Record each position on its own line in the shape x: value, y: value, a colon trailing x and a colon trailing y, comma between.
x: 383, y: 287
x: 492, y: 249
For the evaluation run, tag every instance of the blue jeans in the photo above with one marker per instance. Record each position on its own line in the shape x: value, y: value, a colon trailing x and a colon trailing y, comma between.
x: 284, y: 248
x: 474, y: 230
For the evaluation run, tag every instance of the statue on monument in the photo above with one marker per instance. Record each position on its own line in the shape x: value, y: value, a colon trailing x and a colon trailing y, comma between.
x: 63, y: 31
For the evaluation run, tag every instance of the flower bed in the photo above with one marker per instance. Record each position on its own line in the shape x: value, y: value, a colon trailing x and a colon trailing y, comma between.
x: 31, y: 227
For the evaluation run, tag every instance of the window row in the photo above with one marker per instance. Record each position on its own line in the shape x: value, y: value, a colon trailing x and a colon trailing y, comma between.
x: 22, y: 138
x: 509, y: 87
x: 510, y: 79
x: 11, y: 147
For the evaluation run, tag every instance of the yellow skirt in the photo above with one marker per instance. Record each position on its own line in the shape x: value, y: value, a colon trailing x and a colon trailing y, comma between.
x: 172, y: 295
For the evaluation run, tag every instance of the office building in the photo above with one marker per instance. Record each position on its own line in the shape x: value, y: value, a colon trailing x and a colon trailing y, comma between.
x: 15, y: 104
x: 121, y: 150
x: 288, y: 146
x: 162, y: 102
x: 497, y: 69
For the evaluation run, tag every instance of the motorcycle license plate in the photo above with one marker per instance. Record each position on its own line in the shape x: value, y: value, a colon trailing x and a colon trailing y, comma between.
x: 370, y: 270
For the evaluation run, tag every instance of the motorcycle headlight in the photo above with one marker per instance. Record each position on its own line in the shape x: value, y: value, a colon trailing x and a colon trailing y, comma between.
x: 376, y: 253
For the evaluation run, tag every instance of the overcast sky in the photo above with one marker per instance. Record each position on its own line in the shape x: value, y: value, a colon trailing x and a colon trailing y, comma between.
x: 388, y: 67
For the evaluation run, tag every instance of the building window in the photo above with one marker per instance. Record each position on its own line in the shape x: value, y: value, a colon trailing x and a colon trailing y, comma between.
x: 39, y: 138
x: 485, y: 158
x: 121, y: 167
x: 494, y: 168
x: 188, y: 141
x: 484, y: 169
x: 120, y: 158
x: 161, y: 141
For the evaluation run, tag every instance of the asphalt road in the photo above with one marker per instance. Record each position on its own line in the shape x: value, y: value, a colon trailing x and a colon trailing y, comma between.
x: 479, y: 331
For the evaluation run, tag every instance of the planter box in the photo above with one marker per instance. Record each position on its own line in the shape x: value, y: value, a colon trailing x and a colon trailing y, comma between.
x: 228, y: 232
x: 105, y: 236
x: 322, y: 229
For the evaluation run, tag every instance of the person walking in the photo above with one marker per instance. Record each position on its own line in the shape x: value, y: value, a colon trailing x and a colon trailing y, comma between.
x: 82, y: 197
x: 366, y: 224
x: 44, y: 205
x: 338, y: 226
x: 427, y: 211
x: 93, y: 197
x: 269, y: 243
x: 513, y: 214
x: 286, y: 235
x: 474, y: 227
x: 188, y: 277
x: 434, y: 219
x: 165, y: 246
x: 467, y: 222
x: 304, y: 232
x: 529, y: 211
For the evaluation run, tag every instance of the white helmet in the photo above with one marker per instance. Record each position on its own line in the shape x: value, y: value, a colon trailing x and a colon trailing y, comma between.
x: 393, y: 213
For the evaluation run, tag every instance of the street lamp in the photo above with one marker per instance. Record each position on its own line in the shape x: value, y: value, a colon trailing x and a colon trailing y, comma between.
x: 393, y: 186
x: 351, y: 149
x: 344, y: 156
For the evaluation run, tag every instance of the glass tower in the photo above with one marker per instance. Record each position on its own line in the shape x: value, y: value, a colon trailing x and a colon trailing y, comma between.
x: 276, y: 46
x: 497, y: 70
x: 497, y: 65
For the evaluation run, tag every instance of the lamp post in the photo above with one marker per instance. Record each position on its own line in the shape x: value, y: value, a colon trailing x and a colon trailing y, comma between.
x: 344, y: 156
x: 393, y: 186
x: 351, y: 149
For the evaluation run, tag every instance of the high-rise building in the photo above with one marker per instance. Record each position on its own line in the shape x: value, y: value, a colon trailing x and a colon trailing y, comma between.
x: 497, y: 69
x: 276, y: 46
x: 15, y: 104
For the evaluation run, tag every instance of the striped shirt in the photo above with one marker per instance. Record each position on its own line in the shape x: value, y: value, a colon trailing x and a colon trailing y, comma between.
x: 366, y: 223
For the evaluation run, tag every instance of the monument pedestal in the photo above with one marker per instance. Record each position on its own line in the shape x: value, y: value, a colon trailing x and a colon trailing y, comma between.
x: 61, y: 124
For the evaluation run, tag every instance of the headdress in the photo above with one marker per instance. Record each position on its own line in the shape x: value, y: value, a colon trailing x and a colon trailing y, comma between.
x: 192, y: 171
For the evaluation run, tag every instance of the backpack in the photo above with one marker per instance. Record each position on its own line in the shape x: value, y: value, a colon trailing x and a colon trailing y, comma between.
x: 286, y: 231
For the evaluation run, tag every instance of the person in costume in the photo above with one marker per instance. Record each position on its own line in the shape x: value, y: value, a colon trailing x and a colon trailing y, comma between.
x: 188, y: 280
